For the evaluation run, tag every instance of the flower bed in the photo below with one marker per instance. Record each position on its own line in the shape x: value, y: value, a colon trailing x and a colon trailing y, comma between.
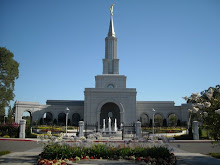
x: 55, y: 153
x: 164, y: 129
x: 9, y: 129
x: 57, y: 150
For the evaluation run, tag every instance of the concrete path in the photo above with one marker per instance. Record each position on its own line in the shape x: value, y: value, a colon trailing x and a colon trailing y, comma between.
x: 26, y: 152
x: 195, y: 159
x: 18, y: 158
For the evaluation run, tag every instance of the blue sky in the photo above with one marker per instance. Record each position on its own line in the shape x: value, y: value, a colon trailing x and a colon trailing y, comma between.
x: 167, y: 48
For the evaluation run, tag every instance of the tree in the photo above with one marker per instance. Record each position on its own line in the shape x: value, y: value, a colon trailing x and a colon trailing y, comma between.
x: 164, y: 122
x: 206, y: 109
x: 172, y: 120
x: 10, y: 115
x: 55, y: 121
x: 8, y: 73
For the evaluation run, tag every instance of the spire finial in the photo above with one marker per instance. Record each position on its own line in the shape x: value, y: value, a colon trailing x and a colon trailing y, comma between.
x: 111, y: 9
x: 111, y: 31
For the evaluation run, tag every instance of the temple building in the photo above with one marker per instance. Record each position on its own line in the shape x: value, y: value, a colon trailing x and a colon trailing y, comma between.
x: 109, y: 98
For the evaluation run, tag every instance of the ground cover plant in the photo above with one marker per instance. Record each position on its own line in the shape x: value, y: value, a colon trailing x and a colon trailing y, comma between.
x: 4, y: 152
x: 215, y: 155
x: 164, y: 129
x: 60, y: 151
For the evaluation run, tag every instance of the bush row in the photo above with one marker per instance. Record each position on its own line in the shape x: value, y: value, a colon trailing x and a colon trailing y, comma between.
x: 65, y: 151
x: 11, y: 129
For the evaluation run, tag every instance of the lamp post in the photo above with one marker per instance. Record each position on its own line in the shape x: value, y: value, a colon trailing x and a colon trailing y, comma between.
x: 67, y: 109
x: 4, y: 119
x: 189, y: 121
x: 153, y: 119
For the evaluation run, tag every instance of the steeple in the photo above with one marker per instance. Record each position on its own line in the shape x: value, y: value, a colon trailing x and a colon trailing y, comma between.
x: 111, y: 31
x: 111, y: 63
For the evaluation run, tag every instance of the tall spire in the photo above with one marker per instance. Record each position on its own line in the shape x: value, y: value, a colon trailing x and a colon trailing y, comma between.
x: 111, y: 63
x: 111, y: 31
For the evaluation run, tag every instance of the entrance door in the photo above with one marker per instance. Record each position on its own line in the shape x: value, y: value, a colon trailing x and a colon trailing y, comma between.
x: 110, y: 110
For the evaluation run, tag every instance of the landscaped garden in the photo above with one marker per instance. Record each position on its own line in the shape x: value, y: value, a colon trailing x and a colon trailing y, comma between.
x: 164, y: 129
x: 56, y: 150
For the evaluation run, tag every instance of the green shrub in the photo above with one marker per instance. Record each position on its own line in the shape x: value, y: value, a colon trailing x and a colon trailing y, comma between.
x: 184, y: 137
x: 57, y: 151
x: 126, y: 151
x: 4, y: 152
x: 215, y: 155
x: 10, y: 129
x: 139, y: 152
x: 158, y: 152
x: 31, y: 135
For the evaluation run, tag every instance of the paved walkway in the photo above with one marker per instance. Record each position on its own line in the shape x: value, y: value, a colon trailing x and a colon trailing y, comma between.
x: 27, y: 155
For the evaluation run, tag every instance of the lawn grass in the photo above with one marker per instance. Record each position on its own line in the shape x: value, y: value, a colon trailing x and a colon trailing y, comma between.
x: 215, y: 155
x: 4, y: 152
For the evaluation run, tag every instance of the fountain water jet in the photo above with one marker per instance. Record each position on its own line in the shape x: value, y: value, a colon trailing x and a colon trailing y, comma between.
x: 109, y: 125
x: 103, y: 125
x: 115, y: 126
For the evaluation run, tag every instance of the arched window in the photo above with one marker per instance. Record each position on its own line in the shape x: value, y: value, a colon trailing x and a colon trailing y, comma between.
x: 158, y: 120
x: 62, y: 119
x: 110, y: 86
x: 144, y: 119
x: 75, y: 119
x: 47, y: 118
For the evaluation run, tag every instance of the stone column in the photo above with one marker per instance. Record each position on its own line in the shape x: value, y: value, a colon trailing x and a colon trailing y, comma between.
x: 81, y: 128
x: 22, y: 128
x: 138, y: 129
x: 195, y: 130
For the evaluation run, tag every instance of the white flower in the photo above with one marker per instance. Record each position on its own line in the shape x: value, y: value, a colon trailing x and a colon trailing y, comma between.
x: 209, y: 95
x: 205, y: 114
x: 195, y: 96
x: 200, y: 105
x: 207, y: 104
x: 217, y: 111
x: 195, y: 110
x: 185, y: 98
x: 82, y: 138
x: 189, y: 110
x: 211, y: 91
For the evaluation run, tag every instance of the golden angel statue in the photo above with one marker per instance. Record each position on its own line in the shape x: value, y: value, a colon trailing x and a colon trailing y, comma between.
x: 111, y: 9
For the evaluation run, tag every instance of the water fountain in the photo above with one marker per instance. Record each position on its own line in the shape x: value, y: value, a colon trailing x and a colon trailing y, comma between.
x: 110, y: 131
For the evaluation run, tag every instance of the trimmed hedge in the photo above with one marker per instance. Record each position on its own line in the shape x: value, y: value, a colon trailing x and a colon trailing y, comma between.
x: 65, y: 151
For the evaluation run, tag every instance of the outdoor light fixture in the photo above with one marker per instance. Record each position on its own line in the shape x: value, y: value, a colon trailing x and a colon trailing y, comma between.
x: 67, y: 109
x: 153, y: 119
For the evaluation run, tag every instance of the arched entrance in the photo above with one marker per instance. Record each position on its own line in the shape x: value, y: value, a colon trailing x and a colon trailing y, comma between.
x: 110, y: 110
x: 28, y: 117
